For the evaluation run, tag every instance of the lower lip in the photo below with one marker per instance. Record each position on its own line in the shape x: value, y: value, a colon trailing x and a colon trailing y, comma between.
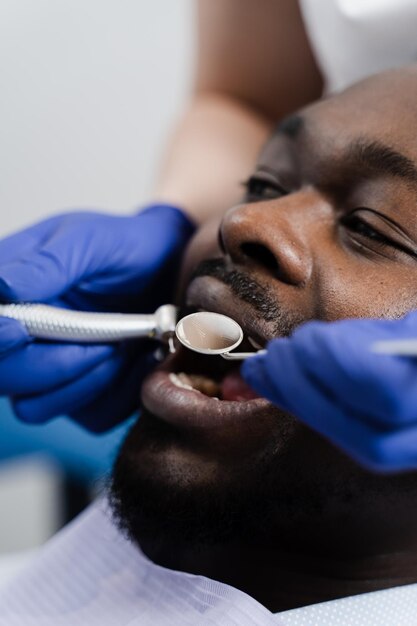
x: 192, y: 409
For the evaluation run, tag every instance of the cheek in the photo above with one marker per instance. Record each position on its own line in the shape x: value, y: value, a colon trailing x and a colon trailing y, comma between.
x: 379, y: 292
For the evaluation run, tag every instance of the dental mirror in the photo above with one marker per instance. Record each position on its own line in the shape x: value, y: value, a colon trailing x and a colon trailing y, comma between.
x: 211, y: 333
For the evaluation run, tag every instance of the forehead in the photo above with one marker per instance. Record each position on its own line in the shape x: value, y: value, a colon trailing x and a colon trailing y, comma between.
x: 381, y: 108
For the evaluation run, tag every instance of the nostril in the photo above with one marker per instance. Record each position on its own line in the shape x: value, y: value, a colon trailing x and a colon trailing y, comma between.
x: 261, y: 254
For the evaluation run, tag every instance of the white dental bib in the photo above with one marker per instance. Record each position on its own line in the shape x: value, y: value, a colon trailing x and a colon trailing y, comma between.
x: 90, y: 575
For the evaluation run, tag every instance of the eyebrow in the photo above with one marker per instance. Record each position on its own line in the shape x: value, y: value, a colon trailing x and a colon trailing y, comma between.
x: 372, y: 155
x: 290, y: 126
x: 381, y: 159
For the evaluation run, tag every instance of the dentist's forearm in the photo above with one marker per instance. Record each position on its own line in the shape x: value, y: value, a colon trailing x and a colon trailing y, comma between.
x: 255, y: 66
x: 212, y: 151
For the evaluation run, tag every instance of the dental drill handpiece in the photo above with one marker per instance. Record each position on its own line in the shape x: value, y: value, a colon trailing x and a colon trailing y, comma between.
x: 55, y: 324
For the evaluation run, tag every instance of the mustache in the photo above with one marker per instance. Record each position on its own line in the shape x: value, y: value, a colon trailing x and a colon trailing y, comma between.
x: 245, y: 288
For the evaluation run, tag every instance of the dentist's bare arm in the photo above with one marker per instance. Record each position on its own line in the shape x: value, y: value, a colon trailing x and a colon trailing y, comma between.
x: 255, y: 65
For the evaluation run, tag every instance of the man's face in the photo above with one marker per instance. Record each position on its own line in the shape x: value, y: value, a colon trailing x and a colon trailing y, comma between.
x: 327, y: 230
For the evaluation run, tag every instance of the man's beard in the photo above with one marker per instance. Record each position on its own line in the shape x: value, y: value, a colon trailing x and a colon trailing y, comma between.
x: 280, y: 497
x: 179, y: 511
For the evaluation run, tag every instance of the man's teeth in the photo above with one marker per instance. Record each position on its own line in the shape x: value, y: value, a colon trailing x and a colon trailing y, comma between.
x: 178, y: 381
x: 195, y: 382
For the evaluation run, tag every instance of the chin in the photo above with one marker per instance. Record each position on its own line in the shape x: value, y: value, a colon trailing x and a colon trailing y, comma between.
x: 173, y: 491
x: 168, y: 490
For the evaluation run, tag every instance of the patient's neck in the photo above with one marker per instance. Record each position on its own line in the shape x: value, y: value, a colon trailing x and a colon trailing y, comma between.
x: 284, y: 579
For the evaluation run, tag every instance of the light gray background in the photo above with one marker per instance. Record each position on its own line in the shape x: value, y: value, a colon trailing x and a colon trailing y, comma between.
x: 89, y: 90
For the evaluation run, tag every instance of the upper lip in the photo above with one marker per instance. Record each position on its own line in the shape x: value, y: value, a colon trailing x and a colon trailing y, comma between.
x: 211, y: 294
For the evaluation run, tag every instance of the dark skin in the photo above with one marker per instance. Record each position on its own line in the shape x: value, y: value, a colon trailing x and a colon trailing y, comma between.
x: 329, y: 229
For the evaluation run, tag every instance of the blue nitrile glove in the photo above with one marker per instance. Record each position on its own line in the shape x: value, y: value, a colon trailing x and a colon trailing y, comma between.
x: 89, y: 261
x: 327, y: 375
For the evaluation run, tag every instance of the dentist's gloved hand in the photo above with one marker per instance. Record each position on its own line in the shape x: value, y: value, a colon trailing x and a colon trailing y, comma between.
x: 363, y: 402
x: 89, y: 261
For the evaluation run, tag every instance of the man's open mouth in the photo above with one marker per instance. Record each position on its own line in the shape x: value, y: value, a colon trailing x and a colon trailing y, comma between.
x: 191, y: 389
x: 200, y: 391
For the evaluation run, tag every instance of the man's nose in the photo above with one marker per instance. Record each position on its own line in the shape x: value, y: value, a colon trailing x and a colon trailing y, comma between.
x: 274, y: 236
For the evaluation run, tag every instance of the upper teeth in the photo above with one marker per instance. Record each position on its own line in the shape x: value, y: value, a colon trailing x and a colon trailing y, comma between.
x: 195, y: 382
x: 180, y: 383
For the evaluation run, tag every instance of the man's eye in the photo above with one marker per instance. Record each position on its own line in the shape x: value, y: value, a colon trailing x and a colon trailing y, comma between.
x: 258, y: 189
x: 356, y: 224
x: 370, y: 238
